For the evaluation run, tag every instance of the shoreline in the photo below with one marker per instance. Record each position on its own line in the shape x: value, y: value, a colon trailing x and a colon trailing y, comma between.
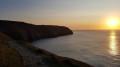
x: 37, y: 57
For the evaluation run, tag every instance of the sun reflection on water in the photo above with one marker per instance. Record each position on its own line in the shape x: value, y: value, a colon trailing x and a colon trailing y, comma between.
x: 113, y: 44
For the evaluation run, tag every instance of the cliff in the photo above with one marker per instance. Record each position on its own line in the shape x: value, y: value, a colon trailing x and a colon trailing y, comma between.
x: 29, y: 32
x: 16, y: 52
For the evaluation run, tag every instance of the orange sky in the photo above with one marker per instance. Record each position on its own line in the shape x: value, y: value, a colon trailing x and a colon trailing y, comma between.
x: 75, y: 14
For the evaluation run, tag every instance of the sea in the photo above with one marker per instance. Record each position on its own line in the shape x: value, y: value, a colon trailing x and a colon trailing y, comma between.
x: 95, y: 47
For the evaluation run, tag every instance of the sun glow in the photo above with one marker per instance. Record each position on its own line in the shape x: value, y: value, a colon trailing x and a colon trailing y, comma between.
x: 113, y: 22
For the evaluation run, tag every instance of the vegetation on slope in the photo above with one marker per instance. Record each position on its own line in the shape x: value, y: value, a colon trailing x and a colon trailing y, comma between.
x: 9, y: 57
x: 4, y: 37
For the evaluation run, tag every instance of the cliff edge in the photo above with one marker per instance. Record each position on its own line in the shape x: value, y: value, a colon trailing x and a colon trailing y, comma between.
x: 29, y: 32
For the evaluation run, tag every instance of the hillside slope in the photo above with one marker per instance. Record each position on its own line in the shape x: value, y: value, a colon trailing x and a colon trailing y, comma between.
x: 9, y: 57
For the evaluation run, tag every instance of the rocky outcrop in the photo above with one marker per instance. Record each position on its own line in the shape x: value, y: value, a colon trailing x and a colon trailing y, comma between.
x: 29, y: 32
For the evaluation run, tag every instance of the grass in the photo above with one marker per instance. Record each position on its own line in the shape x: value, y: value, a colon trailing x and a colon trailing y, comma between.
x: 4, y: 37
x: 9, y: 57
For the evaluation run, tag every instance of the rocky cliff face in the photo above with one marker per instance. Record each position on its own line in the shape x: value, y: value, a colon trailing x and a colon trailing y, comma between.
x: 29, y: 32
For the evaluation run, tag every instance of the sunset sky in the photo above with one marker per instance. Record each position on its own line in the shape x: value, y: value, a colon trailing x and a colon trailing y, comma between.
x: 75, y: 14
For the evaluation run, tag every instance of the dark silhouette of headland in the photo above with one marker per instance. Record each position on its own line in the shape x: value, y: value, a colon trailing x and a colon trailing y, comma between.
x: 29, y: 32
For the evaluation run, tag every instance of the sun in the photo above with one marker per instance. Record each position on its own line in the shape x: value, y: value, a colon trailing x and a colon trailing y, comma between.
x: 113, y: 22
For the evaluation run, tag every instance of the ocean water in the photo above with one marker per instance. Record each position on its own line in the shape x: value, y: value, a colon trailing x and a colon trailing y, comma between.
x: 97, y: 48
